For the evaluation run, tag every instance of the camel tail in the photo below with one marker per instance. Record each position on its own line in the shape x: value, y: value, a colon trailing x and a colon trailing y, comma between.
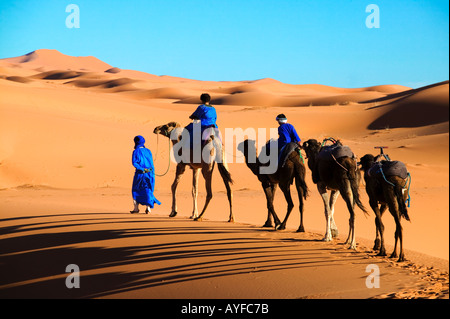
x: 226, y: 176
x: 398, y: 190
x: 354, y: 178
x: 300, y: 177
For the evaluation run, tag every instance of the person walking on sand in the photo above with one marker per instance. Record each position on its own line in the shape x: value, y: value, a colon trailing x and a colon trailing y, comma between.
x: 144, y: 177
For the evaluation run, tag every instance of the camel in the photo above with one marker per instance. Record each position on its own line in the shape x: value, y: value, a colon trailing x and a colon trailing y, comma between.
x: 388, y: 191
x: 284, y: 177
x: 339, y: 175
x: 206, y: 168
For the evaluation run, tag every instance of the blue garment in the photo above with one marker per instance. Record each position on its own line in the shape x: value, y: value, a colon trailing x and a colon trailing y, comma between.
x: 287, y: 134
x: 143, y: 183
x: 208, y: 117
x: 206, y: 114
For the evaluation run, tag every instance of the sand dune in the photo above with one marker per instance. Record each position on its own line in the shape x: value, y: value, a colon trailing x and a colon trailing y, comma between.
x: 19, y: 79
x: 113, y: 70
x: 162, y: 93
x: 66, y: 130
x: 57, y: 75
x: 421, y: 107
x: 53, y: 59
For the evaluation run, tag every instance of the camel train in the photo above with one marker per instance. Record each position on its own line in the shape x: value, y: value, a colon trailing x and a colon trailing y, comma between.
x: 334, y: 169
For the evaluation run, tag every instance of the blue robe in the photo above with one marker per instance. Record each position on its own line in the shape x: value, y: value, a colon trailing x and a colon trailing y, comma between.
x: 144, y: 183
x: 207, y: 116
x: 287, y: 134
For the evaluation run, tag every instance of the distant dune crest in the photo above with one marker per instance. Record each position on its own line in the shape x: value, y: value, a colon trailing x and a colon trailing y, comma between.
x: 399, y: 106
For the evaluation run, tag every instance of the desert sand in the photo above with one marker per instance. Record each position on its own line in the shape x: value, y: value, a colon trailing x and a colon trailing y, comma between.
x: 66, y: 137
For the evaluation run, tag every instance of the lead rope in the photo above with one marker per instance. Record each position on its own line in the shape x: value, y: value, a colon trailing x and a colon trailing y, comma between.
x: 157, y: 146
x: 168, y: 167
x: 408, y: 200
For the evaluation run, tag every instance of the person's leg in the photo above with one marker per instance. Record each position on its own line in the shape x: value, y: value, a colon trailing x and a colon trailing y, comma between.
x: 136, y: 208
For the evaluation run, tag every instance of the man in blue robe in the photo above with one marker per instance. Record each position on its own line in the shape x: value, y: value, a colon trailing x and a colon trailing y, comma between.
x: 207, y: 116
x: 286, y: 133
x: 144, y: 177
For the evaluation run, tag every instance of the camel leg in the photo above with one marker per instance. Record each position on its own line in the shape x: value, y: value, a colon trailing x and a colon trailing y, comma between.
x: 269, y: 191
x: 399, y: 234
x: 334, y: 196
x: 229, y: 194
x: 326, y: 202
x: 301, y: 228
x: 347, y: 195
x: 395, y: 212
x: 195, y: 175
x: 379, y: 240
x: 230, y: 201
x: 179, y: 172
x: 285, y: 187
x: 207, y: 174
x: 273, y: 189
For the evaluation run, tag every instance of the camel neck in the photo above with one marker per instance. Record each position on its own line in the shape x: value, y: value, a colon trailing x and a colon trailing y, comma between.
x: 254, y: 167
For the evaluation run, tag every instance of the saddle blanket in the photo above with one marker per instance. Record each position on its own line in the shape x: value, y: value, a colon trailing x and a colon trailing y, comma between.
x: 336, y: 150
x: 390, y: 168
x: 285, y: 152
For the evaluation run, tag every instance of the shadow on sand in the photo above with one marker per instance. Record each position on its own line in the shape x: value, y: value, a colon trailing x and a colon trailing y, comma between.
x: 34, y: 253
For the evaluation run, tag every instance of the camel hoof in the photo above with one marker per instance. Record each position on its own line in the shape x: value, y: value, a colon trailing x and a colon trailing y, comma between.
x: 334, y: 233
x: 280, y: 227
x: 198, y: 219
x: 382, y: 253
x: 301, y: 229
x: 327, y: 238
x: 393, y: 255
x: 268, y: 225
x: 377, y: 244
x: 231, y: 220
x: 401, y: 259
x: 173, y: 214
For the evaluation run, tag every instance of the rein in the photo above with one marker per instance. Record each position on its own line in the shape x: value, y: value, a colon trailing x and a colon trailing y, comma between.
x: 168, y: 167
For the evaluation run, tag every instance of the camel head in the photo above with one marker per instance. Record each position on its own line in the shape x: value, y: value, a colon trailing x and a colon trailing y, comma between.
x: 247, y: 147
x: 366, y: 162
x: 311, y: 147
x: 166, y: 129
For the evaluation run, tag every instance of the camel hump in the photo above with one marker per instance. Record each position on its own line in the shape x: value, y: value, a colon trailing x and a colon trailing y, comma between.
x: 336, y: 151
x: 389, y: 168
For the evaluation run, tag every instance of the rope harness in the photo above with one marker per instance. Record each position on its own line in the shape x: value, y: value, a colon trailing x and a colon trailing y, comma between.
x: 406, y: 186
x: 408, y: 178
x: 334, y: 141
x: 328, y: 139
x: 301, y: 156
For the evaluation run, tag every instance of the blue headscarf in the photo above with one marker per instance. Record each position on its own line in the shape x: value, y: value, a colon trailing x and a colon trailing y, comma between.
x: 139, y: 141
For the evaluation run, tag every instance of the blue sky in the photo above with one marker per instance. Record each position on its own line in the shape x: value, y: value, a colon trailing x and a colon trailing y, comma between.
x: 293, y: 41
